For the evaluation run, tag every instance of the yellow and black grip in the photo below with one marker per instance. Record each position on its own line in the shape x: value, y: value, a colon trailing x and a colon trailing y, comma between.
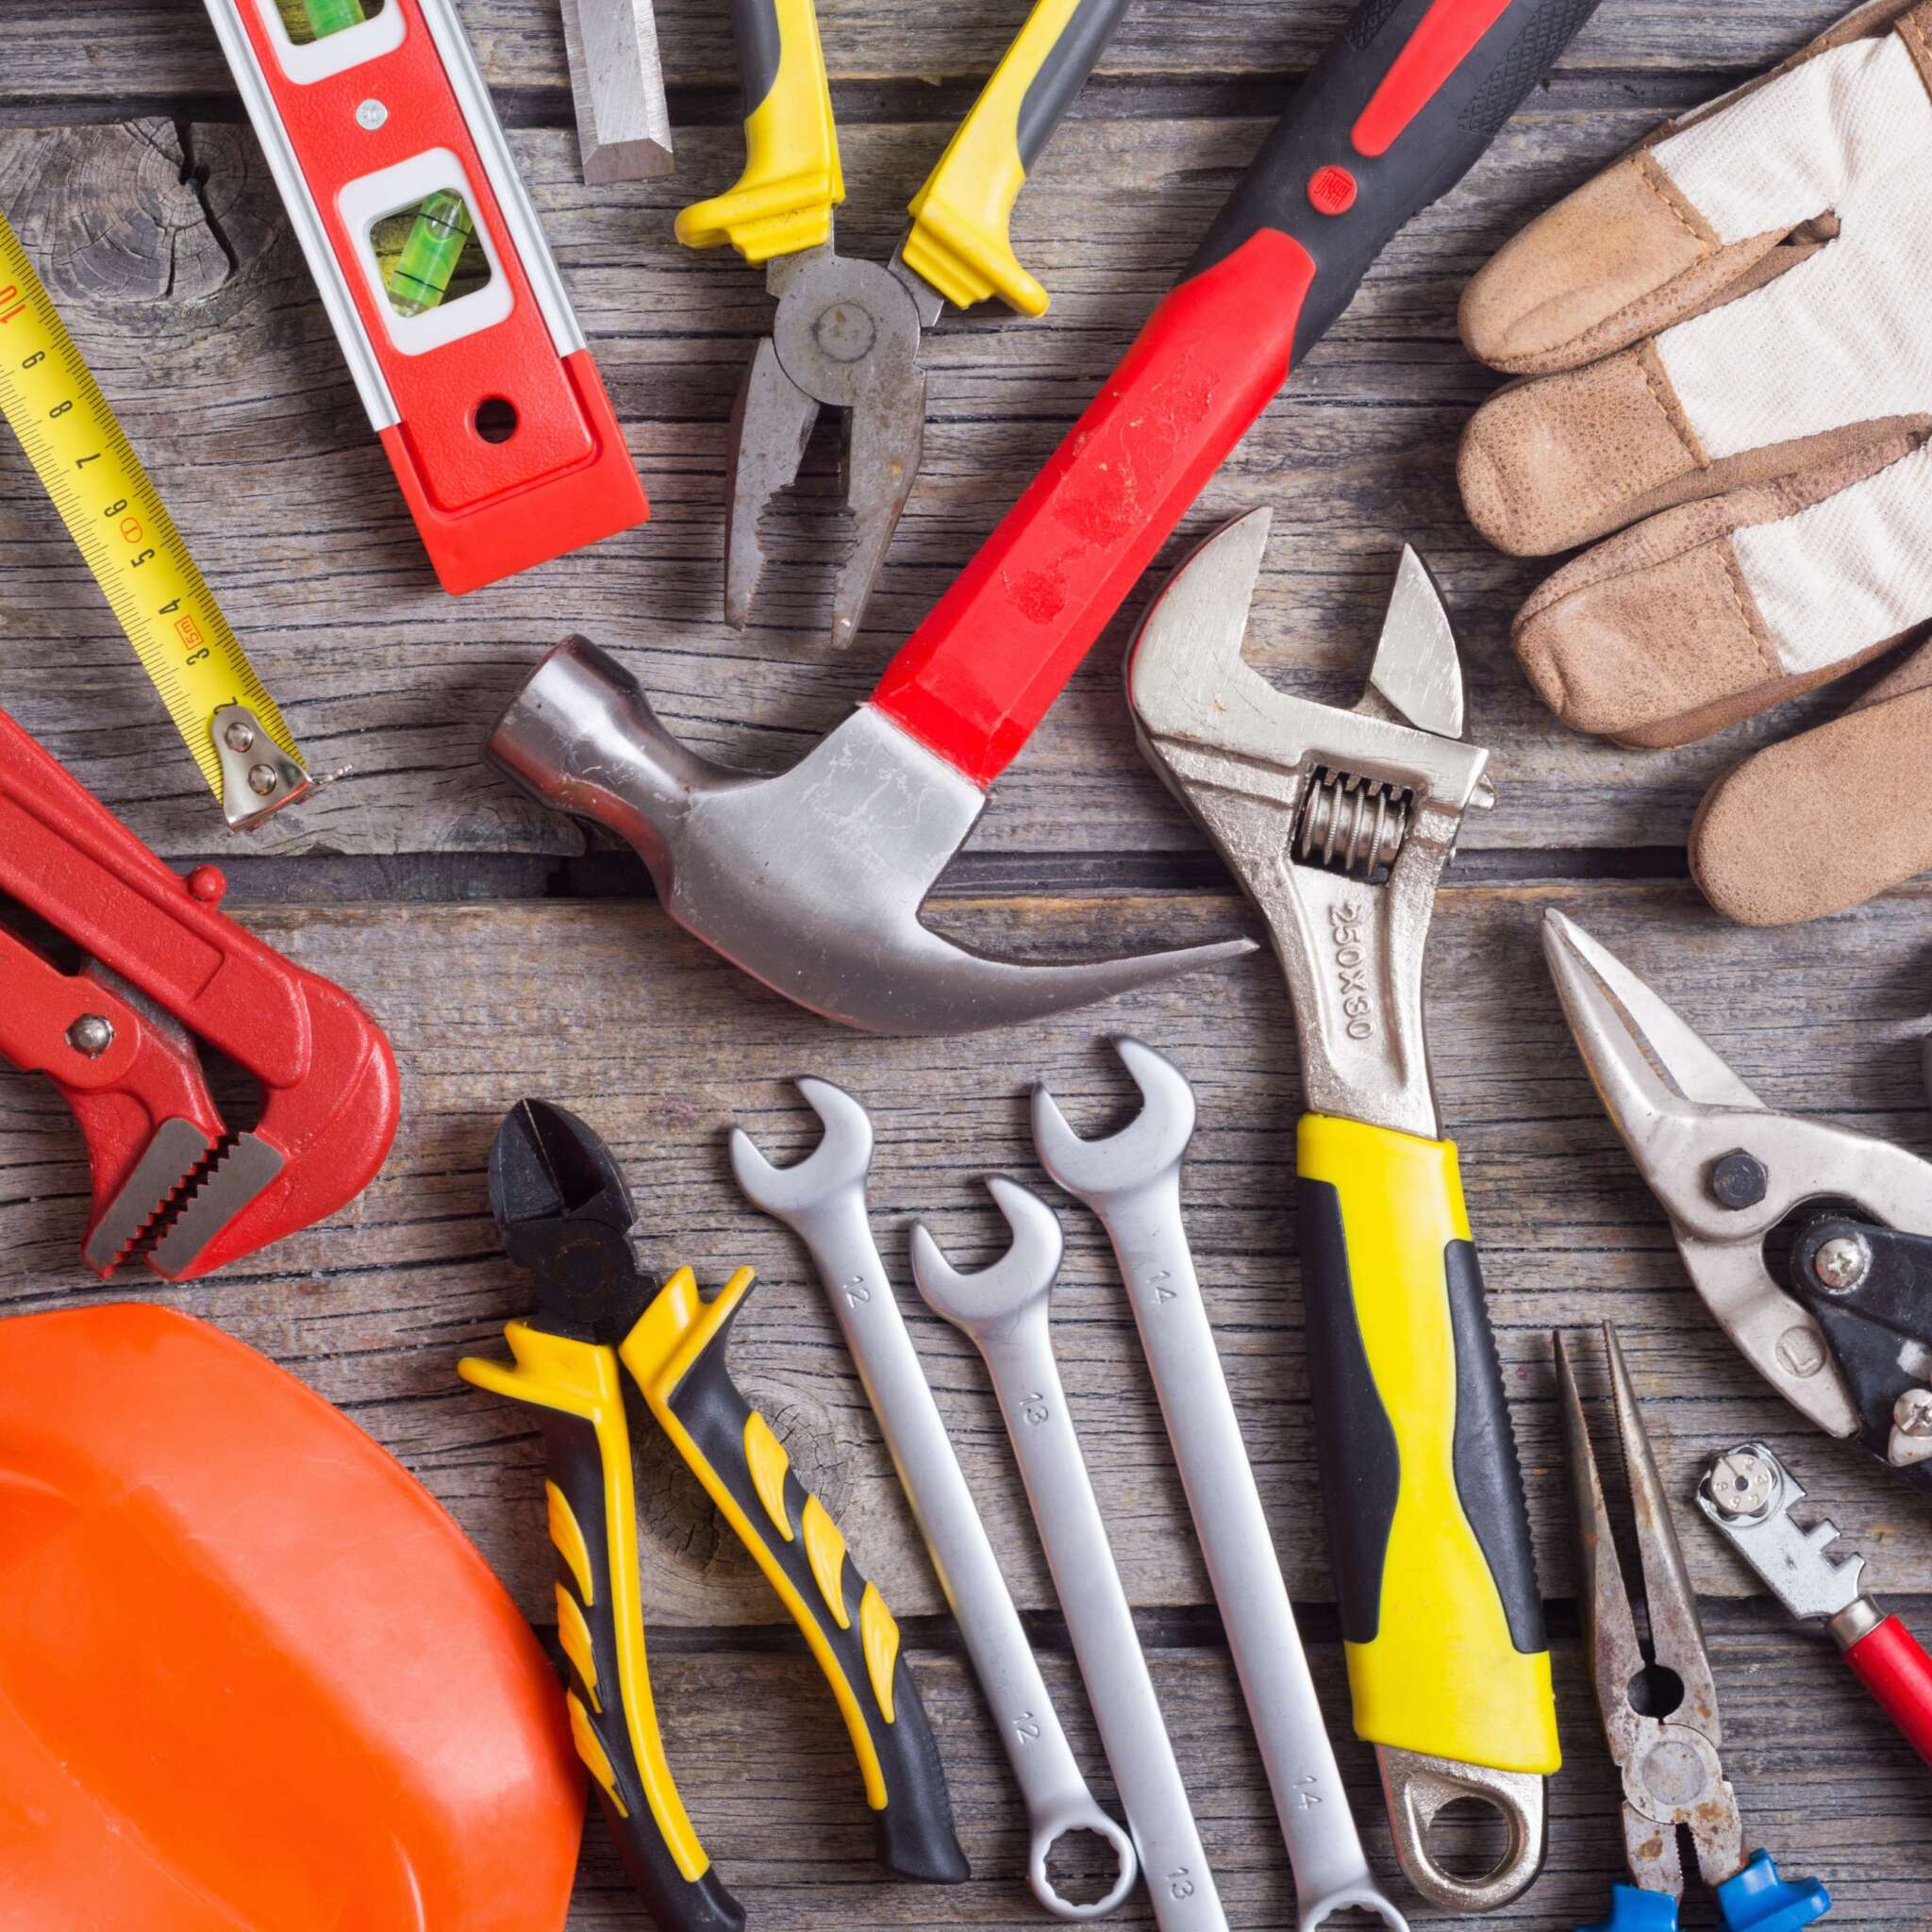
x: 1440, y: 1615
x: 959, y: 240
x: 792, y: 182
x: 577, y: 1391
x: 675, y: 1351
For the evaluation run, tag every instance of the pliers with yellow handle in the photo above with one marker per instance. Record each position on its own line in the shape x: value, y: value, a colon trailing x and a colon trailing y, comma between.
x: 565, y: 1214
x: 846, y: 333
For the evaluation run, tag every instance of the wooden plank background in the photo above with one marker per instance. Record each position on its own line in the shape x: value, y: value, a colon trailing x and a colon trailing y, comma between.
x: 504, y: 961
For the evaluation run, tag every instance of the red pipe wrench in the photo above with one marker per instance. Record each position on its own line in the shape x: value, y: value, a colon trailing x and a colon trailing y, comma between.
x: 165, y: 964
x: 1392, y: 117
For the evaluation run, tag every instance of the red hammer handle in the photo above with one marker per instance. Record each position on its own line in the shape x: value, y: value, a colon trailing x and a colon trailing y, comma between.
x: 1392, y: 117
x: 978, y: 675
x: 1890, y: 1664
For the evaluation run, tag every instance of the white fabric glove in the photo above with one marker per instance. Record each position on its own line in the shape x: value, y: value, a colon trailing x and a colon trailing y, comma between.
x: 1730, y: 337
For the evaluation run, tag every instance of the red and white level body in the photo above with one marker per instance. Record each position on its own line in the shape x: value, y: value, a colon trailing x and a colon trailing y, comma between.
x: 489, y: 405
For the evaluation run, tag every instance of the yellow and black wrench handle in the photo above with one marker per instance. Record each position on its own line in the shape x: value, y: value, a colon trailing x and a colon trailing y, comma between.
x: 578, y: 1392
x: 676, y: 1352
x: 783, y: 201
x: 959, y: 240
x: 1441, y: 1615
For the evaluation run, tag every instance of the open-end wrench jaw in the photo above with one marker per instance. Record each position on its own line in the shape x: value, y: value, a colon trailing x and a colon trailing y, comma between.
x: 993, y: 1301
x: 841, y: 1161
x: 1339, y: 824
x: 811, y: 880
x: 1147, y: 1149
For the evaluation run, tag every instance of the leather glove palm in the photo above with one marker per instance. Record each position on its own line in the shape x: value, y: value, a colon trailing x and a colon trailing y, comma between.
x: 1729, y: 337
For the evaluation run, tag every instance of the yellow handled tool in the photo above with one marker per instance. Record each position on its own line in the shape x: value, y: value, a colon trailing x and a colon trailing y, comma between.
x: 115, y: 515
x: 846, y: 333
x: 574, y: 1384
x: 565, y: 1214
x: 676, y: 1353
x: 1338, y: 824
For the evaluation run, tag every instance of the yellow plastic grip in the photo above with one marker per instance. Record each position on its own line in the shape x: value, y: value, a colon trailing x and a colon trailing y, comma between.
x: 579, y: 1378
x: 792, y: 182
x: 959, y: 240
x: 1395, y: 1357
x: 662, y: 1348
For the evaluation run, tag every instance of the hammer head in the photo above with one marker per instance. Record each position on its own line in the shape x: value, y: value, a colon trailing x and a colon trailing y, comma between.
x: 811, y: 880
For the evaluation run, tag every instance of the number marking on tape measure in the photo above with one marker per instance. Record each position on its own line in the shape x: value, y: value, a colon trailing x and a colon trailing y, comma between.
x: 122, y: 529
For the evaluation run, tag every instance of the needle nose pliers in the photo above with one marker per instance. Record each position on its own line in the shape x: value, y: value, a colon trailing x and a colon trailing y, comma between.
x: 1660, y: 1708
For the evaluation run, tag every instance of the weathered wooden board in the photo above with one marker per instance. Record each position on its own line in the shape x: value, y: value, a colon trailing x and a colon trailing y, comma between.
x: 617, y: 1014
x: 610, y: 1010
x: 143, y: 49
x: 198, y: 314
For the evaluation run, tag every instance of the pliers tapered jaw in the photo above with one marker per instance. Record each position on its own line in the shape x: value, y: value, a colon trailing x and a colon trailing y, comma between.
x: 1659, y: 1701
x: 845, y: 336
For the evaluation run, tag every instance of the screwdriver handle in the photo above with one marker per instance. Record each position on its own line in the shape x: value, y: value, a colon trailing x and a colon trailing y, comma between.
x: 1392, y: 115
x: 783, y: 201
x: 675, y: 1354
x: 1891, y: 1663
x: 959, y: 240
x: 578, y: 1395
x: 1440, y: 1615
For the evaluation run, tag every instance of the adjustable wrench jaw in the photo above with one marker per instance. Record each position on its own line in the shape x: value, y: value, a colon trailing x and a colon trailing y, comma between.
x: 1339, y: 824
x: 811, y: 880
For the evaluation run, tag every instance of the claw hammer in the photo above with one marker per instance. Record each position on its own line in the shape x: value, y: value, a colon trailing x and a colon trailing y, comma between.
x: 811, y: 880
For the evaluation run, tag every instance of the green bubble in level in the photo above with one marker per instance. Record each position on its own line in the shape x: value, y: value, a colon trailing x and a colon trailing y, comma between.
x: 420, y: 275
x: 327, y: 17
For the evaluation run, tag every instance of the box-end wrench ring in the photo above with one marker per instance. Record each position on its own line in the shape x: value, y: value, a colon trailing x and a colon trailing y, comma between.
x: 1003, y: 1311
x: 821, y: 1199
x: 1132, y: 1181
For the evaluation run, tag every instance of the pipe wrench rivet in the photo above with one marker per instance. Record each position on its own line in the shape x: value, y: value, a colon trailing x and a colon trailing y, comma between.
x: 91, y: 1035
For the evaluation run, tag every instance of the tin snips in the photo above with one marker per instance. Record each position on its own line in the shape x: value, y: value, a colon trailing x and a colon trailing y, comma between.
x: 162, y: 966
x: 1811, y: 1244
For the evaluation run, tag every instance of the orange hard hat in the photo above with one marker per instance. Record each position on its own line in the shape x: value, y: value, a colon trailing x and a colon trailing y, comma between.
x: 253, y: 1678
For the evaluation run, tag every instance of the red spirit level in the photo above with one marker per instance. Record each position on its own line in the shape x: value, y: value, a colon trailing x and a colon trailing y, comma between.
x: 461, y: 342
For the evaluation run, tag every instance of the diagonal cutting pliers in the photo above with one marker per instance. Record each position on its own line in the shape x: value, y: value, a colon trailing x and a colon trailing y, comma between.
x: 845, y: 334
x: 1660, y: 1705
x: 1838, y: 1319
x: 565, y: 1214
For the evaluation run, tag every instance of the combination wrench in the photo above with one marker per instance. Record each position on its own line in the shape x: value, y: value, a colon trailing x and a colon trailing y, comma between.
x: 821, y: 1199
x: 1003, y: 1311
x: 1131, y: 1181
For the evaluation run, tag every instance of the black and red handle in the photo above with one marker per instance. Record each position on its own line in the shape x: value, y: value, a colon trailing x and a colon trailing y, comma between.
x: 1391, y: 117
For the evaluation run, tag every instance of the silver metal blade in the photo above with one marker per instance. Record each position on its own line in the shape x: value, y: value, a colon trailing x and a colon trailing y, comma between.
x: 1748, y: 1493
x: 1616, y: 1018
x: 1416, y: 671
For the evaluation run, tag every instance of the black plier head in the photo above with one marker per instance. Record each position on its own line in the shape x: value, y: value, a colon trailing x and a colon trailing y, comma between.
x: 565, y: 1214
x: 1727, y: 1169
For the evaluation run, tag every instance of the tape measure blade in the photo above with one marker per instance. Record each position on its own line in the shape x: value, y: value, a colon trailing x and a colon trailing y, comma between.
x: 119, y: 522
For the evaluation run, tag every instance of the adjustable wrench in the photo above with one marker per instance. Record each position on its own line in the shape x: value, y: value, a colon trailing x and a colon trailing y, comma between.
x: 1003, y: 1311
x: 822, y: 1200
x: 1132, y: 1182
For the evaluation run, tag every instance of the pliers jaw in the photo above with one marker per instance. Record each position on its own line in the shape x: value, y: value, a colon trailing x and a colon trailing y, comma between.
x: 1667, y: 1753
x: 1726, y: 1168
x: 565, y: 1214
x: 845, y: 335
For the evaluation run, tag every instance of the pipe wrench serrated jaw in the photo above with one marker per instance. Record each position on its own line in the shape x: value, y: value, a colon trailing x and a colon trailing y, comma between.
x: 811, y: 880
x: 1338, y: 824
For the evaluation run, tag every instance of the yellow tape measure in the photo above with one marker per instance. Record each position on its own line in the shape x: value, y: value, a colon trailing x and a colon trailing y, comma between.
x: 115, y: 516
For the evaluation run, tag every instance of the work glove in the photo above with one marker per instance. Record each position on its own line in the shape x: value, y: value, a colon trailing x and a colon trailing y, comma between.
x: 1728, y: 337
